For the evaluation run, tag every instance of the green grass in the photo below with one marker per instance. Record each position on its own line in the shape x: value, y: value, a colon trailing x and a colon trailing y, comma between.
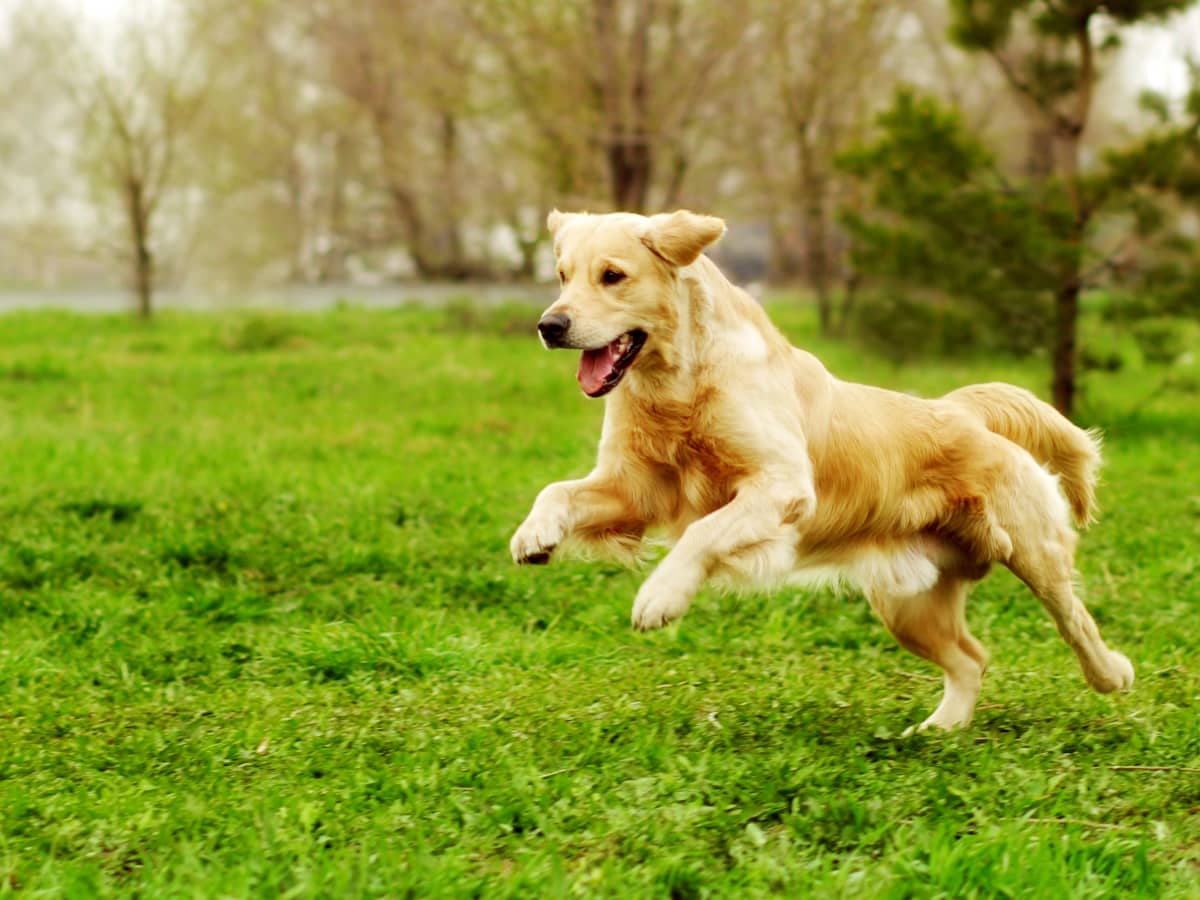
x: 261, y: 636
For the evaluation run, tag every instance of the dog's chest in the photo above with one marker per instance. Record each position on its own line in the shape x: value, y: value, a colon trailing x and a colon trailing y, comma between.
x: 688, y: 468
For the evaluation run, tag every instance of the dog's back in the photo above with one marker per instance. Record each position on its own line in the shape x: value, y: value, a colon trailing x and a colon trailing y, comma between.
x: 1067, y: 450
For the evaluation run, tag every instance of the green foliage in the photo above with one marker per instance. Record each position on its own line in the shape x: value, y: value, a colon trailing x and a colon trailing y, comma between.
x: 903, y: 327
x: 257, y: 333
x: 301, y: 663
x: 1128, y: 11
x: 946, y: 219
x: 979, y: 24
x: 1165, y: 160
x: 115, y: 510
x: 988, y: 24
x: 948, y: 224
x: 952, y: 223
x: 1162, y: 340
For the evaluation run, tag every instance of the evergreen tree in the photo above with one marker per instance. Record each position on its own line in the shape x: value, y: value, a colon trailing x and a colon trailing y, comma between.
x: 1019, y: 251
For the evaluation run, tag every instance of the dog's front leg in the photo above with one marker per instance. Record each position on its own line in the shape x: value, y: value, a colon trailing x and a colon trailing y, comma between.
x: 587, y: 508
x: 771, y: 512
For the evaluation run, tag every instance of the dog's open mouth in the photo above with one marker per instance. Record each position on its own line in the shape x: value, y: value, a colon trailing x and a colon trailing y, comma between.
x: 601, y: 370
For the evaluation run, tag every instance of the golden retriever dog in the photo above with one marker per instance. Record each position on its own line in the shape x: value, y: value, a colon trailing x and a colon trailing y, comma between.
x: 763, y: 468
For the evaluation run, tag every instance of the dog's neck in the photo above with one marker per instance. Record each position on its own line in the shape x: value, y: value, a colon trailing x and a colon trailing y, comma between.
x: 672, y: 370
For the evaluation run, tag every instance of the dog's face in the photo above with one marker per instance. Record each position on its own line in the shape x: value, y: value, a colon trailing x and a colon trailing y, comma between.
x: 618, y: 277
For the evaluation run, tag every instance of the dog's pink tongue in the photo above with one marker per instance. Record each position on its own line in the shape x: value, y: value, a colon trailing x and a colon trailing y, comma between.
x: 595, y: 366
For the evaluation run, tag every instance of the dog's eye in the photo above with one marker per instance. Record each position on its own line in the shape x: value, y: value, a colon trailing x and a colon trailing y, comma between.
x: 562, y: 277
x: 612, y: 276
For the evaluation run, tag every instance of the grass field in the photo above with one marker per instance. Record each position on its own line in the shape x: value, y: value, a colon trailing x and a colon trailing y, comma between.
x: 261, y: 636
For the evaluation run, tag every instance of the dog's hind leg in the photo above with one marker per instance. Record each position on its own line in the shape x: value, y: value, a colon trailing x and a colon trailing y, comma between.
x: 933, y: 626
x: 1043, y: 557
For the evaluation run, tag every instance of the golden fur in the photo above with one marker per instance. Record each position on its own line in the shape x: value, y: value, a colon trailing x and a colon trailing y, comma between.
x: 762, y: 467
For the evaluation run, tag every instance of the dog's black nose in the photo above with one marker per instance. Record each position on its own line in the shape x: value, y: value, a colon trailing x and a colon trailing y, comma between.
x: 553, y: 327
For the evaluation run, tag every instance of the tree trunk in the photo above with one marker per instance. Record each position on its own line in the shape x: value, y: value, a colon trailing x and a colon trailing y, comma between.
x: 783, y: 266
x: 453, y: 263
x: 412, y: 226
x: 679, y: 170
x: 407, y: 210
x: 1039, y: 152
x: 627, y: 143
x: 850, y: 287
x: 298, y: 265
x: 1066, y: 318
x: 816, y: 235
x: 1070, y: 131
x: 528, y: 248
x: 143, y: 261
x: 816, y: 252
x: 629, y: 165
x: 333, y: 261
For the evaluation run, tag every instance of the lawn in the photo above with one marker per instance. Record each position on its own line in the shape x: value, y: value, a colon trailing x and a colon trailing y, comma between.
x: 260, y: 635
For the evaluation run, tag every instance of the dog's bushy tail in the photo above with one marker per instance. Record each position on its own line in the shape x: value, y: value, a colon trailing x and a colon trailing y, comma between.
x: 1067, y: 450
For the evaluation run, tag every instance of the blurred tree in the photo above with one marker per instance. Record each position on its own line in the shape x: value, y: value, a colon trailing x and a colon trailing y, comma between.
x: 279, y: 150
x: 32, y: 126
x: 409, y: 69
x: 305, y: 140
x: 133, y: 113
x: 1019, y: 251
x: 136, y: 119
x: 615, y: 89
x: 1157, y: 182
x: 828, y: 65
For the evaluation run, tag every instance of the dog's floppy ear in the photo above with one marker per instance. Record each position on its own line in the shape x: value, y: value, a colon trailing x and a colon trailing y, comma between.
x: 681, y: 236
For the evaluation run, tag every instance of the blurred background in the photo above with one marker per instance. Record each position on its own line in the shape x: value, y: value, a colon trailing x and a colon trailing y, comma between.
x: 932, y: 176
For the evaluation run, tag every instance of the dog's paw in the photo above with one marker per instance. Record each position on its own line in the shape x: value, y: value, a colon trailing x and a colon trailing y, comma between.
x: 1124, y: 671
x: 937, y: 724
x: 658, y: 604
x: 1111, y: 671
x: 534, y: 542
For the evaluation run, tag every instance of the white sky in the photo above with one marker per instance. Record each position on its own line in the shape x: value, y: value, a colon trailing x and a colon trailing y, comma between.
x: 101, y: 10
x: 1158, y: 53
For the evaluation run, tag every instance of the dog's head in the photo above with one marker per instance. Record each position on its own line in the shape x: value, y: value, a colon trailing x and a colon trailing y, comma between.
x: 618, y: 274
